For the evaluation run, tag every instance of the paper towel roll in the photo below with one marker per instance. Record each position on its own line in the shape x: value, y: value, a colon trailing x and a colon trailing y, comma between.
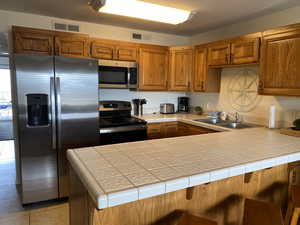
x: 272, y: 117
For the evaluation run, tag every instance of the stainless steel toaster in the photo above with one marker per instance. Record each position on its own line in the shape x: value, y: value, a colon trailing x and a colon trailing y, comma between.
x: 167, y: 108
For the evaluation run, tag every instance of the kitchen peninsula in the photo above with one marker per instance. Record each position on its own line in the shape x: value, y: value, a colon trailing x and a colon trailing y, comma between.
x: 210, y: 174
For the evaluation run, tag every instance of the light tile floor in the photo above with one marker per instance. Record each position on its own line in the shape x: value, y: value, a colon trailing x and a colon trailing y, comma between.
x: 9, y: 196
x: 11, y: 210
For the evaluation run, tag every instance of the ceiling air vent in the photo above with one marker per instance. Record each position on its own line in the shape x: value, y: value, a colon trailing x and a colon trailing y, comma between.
x: 137, y: 36
x: 66, y: 27
x: 73, y: 28
x: 60, y: 26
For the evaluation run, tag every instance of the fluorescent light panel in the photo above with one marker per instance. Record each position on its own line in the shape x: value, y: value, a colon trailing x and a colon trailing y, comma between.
x: 145, y: 10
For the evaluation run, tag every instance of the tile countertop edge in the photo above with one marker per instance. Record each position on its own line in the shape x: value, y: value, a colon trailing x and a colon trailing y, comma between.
x: 103, y: 201
x: 100, y: 199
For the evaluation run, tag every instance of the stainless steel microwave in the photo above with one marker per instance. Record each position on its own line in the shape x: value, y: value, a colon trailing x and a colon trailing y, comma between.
x: 118, y: 74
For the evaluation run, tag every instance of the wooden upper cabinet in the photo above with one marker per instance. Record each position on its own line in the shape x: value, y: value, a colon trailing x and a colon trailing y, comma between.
x: 126, y: 53
x: 280, y: 63
x: 33, y: 41
x: 102, y: 50
x: 153, y: 68
x: 205, y: 79
x: 181, y: 67
x: 219, y: 55
x: 245, y: 51
x: 200, y: 70
x: 114, y: 50
x: 72, y: 45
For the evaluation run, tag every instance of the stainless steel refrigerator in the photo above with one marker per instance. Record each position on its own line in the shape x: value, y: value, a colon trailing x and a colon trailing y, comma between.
x: 56, y: 107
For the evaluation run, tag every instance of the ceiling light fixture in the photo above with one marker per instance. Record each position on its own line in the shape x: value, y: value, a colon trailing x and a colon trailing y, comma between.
x: 142, y: 10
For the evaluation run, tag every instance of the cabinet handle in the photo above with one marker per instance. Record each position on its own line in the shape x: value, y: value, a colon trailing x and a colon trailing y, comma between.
x: 261, y: 85
x: 202, y: 85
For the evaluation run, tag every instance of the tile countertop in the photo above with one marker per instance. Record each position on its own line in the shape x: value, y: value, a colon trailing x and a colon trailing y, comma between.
x: 121, y: 173
x: 186, y: 118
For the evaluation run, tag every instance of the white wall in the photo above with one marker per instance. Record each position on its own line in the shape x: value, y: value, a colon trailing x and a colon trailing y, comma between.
x: 153, y: 98
x: 9, y: 18
x: 281, y: 18
x: 253, y: 107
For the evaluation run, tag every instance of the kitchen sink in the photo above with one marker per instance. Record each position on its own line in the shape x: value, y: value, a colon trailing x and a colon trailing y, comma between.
x: 227, y: 124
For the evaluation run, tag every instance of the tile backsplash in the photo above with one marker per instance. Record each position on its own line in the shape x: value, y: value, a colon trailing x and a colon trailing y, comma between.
x: 154, y: 99
x: 239, y: 94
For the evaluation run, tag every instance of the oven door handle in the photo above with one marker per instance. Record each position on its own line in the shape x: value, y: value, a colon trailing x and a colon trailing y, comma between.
x: 110, y: 130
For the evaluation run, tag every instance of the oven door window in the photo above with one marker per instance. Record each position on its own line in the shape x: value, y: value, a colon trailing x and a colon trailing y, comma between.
x: 113, y: 75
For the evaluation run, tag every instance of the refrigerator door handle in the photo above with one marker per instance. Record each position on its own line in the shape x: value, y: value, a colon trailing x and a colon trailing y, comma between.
x: 58, y: 105
x: 53, y: 113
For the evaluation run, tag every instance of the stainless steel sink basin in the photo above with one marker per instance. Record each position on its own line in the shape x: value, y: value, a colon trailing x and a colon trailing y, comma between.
x: 227, y: 124
x: 234, y: 125
x: 211, y: 121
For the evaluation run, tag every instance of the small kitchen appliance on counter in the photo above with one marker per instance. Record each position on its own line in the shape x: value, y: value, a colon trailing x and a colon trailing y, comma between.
x: 167, y: 108
x: 117, y: 125
x: 183, y: 104
x: 138, y: 106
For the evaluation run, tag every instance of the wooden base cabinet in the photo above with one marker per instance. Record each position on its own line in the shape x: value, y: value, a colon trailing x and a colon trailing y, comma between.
x: 280, y: 62
x: 174, y: 129
x: 221, y: 201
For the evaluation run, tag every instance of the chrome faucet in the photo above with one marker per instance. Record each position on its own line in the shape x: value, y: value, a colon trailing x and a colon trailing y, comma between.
x: 237, y: 118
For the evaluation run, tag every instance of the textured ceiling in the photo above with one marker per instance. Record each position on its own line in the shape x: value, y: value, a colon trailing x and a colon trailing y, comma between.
x: 211, y: 13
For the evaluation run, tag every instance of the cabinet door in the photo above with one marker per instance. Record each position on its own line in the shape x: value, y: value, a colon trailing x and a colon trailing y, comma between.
x: 102, y: 50
x: 153, y: 69
x: 200, y: 69
x: 126, y: 53
x: 33, y: 41
x: 219, y: 55
x: 170, y: 130
x: 181, y: 65
x: 72, y: 46
x: 154, y: 131
x: 245, y: 51
x: 280, y: 64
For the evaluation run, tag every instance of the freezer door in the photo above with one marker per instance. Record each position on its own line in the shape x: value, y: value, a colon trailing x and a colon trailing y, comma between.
x: 38, y: 156
x: 77, y: 109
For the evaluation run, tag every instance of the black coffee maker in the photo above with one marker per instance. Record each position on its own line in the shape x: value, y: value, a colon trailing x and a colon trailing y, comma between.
x: 183, y: 104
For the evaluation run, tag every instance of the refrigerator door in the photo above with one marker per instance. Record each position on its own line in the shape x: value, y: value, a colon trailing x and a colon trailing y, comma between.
x: 77, y: 109
x: 33, y: 76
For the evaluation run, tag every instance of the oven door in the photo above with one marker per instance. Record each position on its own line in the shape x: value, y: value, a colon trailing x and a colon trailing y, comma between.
x: 124, y: 134
x: 113, y: 77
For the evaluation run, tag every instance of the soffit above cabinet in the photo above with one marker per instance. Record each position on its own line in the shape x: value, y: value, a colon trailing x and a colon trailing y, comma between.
x: 211, y: 13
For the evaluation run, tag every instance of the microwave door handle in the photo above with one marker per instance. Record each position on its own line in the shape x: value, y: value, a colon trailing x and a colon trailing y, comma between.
x: 128, y: 77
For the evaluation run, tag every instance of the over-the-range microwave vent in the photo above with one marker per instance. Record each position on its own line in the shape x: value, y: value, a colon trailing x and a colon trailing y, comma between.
x: 66, y: 27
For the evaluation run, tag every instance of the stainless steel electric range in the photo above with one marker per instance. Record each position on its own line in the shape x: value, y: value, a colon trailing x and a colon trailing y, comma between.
x: 117, y: 125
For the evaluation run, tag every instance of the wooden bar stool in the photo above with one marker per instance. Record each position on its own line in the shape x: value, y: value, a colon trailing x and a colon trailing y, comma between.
x: 189, y: 219
x: 293, y: 211
x: 261, y: 213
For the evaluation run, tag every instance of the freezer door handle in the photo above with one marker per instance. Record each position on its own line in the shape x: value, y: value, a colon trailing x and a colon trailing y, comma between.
x: 58, y: 106
x: 53, y: 113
